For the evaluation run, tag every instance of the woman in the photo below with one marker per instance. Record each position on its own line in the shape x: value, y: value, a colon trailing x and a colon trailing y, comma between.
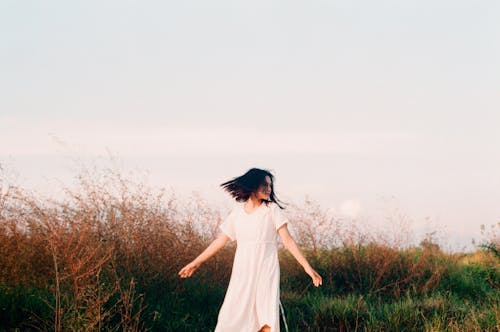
x: 252, y: 301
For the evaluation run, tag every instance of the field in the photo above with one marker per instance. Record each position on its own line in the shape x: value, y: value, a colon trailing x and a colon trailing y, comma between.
x: 106, y: 258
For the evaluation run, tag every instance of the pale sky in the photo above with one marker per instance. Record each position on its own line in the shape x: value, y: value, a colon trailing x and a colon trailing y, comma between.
x: 353, y: 103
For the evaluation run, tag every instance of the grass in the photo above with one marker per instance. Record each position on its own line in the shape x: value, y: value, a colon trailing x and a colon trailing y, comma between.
x: 106, y: 258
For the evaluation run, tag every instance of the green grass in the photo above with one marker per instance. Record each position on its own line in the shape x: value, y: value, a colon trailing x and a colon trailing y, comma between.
x: 464, y: 299
x: 436, y: 312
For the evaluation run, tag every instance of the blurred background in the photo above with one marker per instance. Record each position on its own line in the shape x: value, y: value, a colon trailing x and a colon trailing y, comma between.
x: 372, y: 109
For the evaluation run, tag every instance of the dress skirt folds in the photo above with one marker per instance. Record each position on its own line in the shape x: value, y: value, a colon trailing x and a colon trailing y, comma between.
x: 253, y: 294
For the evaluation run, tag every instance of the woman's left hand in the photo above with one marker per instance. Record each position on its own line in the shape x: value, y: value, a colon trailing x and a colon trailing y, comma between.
x: 316, y: 278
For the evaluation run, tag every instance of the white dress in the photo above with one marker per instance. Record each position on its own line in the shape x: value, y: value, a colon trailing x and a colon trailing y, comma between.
x: 253, y: 294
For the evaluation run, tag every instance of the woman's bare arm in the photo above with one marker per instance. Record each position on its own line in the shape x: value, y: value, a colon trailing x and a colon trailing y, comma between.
x: 210, y: 251
x: 292, y: 247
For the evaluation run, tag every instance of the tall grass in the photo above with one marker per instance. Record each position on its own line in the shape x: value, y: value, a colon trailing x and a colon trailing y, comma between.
x: 106, y: 258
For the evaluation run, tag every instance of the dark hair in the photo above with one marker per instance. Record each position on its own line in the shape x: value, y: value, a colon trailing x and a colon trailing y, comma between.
x: 243, y: 186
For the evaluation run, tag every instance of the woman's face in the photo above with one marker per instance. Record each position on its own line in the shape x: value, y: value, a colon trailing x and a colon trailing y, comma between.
x: 264, y: 190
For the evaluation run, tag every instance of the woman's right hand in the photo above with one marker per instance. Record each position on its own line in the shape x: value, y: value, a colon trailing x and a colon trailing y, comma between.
x: 316, y: 278
x: 188, y: 270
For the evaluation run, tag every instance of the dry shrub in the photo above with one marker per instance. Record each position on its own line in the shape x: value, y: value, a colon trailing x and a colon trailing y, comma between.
x: 112, y: 241
x: 491, y: 241
x: 352, y: 259
x: 101, y: 247
x: 313, y: 227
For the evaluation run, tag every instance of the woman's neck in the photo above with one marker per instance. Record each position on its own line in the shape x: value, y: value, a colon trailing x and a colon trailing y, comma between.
x: 253, y: 202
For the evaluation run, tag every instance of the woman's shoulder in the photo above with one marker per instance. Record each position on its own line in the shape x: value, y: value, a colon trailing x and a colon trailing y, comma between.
x: 275, y: 209
x: 272, y: 206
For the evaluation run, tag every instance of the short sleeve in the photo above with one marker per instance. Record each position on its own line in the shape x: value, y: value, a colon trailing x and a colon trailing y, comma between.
x: 227, y: 226
x: 279, y: 218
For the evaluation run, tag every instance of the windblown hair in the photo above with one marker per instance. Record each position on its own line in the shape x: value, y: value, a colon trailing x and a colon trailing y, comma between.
x: 243, y: 186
